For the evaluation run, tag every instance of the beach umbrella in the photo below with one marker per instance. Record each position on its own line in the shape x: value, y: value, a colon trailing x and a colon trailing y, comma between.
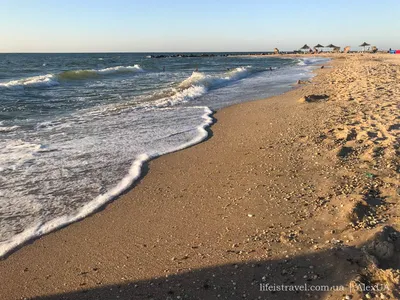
x: 305, y: 47
x: 364, y: 45
x: 318, y: 47
x: 332, y: 46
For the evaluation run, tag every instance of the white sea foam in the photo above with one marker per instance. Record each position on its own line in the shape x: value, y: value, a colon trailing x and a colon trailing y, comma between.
x: 17, y: 152
x: 36, y: 81
x: 8, y: 128
x: 308, y: 61
x: 121, y: 69
x: 209, y: 81
x: 40, y: 228
x: 179, y: 97
x: 196, y: 85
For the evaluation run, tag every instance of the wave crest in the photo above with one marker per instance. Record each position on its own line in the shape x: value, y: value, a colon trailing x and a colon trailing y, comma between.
x: 311, y: 61
x: 86, y: 74
x: 121, y: 69
x: 35, y: 81
x: 195, y: 86
x: 49, y: 80
x: 209, y: 81
x: 8, y: 128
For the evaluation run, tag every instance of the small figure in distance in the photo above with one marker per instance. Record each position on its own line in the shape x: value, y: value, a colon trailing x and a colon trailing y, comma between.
x: 163, y: 68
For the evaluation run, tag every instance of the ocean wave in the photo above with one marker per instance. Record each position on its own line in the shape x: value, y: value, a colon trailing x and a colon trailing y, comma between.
x: 78, y: 74
x: 35, y: 82
x: 163, y: 99
x: 195, y: 86
x: 180, y: 96
x: 311, y: 61
x: 121, y: 69
x: 50, y: 80
x: 210, y: 81
x: 199, y: 84
x: 8, y: 128
x: 85, y: 74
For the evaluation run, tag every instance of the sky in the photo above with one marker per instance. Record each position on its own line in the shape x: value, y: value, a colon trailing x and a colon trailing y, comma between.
x: 195, y: 26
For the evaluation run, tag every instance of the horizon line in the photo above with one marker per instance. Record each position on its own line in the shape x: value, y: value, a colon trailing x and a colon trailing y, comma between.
x: 84, y: 52
x: 103, y: 52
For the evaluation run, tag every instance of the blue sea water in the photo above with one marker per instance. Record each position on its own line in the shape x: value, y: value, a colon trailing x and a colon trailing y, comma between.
x: 76, y: 128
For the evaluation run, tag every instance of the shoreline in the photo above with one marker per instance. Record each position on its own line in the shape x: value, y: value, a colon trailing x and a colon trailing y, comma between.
x: 123, y: 186
x: 265, y: 194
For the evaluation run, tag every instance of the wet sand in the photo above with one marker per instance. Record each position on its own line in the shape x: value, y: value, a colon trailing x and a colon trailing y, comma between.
x: 302, y: 188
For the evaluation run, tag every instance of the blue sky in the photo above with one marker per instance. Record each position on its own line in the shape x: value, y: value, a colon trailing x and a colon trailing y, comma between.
x: 184, y: 25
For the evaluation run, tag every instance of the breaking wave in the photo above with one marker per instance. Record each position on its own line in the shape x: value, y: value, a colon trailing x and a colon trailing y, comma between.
x: 209, y: 81
x: 8, y: 128
x: 193, y: 87
x: 196, y: 85
x: 311, y: 61
x: 36, y: 81
x: 49, y: 80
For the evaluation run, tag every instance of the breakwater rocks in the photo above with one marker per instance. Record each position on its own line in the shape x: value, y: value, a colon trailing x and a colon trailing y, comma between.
x: 191, y: 55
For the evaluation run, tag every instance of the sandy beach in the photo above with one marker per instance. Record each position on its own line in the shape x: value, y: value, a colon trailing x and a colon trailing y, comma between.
x: 294, y: 190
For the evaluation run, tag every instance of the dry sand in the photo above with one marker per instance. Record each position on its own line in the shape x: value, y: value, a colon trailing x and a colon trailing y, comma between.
x: 298, y: 188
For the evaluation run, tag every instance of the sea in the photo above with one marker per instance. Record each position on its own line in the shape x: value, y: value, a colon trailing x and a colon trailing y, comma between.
x: 76, y: 129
